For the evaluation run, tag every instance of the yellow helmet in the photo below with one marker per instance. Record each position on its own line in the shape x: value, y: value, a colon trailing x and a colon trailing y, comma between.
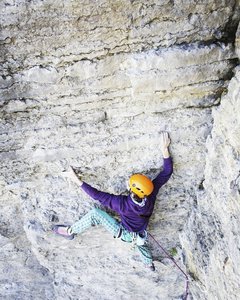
x: 141, y: 185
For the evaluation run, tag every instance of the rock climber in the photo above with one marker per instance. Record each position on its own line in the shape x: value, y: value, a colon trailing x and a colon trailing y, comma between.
x: 134, y: 209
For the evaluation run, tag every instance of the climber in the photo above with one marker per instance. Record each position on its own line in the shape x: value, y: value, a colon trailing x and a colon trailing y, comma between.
x: 134, y: 209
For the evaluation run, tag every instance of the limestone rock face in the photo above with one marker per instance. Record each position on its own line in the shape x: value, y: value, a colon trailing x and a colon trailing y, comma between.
x: 92, y: 84
x: 212, y: 249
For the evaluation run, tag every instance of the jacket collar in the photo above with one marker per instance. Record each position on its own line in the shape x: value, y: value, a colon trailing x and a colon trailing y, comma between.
x: 141, y: 204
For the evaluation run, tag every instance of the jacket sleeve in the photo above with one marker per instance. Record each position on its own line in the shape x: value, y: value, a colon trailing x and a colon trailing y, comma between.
x: 114, y: 202
x: 163, y: 176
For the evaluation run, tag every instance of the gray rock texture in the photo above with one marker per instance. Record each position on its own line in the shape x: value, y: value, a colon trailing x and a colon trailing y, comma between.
x: 92, y: 84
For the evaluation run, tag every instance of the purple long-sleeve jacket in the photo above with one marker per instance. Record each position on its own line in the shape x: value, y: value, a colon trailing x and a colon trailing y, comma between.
x: 129, y: 211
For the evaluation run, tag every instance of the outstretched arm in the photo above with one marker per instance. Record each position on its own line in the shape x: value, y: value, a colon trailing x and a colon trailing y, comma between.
x: 112, y: 201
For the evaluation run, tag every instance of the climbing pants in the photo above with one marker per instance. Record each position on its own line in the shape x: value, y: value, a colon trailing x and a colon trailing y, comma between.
x: 98, y: 217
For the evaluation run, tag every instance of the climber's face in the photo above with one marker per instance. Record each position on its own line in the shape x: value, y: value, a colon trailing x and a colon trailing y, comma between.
x: 129, y: 188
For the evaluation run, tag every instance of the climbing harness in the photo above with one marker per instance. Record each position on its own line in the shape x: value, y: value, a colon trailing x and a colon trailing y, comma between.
x: 174, y: 263
x: 141, y: 238
x: 138, y: 239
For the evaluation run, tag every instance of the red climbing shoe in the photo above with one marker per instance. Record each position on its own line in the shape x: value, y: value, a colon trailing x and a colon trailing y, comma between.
x: 63, y: 230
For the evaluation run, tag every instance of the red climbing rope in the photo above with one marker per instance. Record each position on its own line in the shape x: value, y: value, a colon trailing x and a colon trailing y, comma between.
x: 174, y: 263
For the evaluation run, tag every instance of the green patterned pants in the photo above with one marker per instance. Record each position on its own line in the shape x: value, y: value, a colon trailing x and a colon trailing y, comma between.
x: 98, y: 217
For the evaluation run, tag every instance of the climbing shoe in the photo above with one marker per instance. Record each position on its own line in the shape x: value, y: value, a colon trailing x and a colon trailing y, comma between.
x: 64, y: 231
x: 152, y: 267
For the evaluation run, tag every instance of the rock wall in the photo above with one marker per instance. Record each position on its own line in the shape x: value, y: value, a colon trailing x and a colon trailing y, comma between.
x: 92, y: 84
x: 212, y: 249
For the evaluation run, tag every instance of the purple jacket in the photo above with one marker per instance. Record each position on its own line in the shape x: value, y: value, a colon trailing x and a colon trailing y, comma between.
x: 128, y: 210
